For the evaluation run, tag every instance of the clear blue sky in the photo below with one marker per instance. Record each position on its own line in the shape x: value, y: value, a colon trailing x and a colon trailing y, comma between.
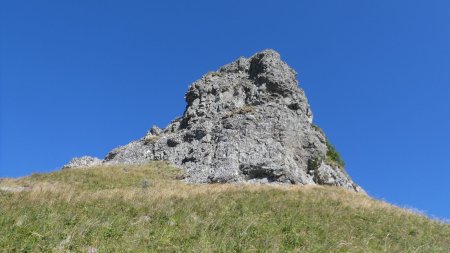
x: 82, y: 77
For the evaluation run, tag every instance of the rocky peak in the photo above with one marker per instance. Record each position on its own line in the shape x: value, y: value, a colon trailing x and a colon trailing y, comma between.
x: 247, y: 122
x: 263, y: 79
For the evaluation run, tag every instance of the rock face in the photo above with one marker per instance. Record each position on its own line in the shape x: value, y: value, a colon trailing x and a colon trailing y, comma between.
x: 248, y: 121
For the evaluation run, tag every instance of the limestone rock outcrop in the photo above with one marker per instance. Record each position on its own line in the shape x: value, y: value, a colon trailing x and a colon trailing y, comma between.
x: 247, y: 121
x: 83, y: 162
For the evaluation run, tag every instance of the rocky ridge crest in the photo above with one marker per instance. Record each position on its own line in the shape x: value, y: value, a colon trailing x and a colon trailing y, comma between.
x: 247, y: 122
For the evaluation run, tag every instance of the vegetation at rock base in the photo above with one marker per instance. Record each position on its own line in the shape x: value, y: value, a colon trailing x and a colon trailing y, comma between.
x: 146, y: 209
x: 333, y: 156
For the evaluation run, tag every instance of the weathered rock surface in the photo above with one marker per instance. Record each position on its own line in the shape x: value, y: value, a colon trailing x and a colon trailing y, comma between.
x: 83, y: 162
x: 248, y: 121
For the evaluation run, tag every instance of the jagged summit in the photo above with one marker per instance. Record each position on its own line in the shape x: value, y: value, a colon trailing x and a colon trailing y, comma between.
x: 248, y: 121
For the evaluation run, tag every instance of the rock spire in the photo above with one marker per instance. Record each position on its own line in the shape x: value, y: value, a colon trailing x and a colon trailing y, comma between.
x: 247, y: 121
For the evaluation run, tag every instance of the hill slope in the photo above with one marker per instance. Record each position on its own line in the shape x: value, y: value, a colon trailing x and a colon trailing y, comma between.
x: 145, y: 208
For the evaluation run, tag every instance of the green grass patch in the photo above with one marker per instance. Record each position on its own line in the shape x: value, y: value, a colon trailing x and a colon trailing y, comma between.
x: 333, y: 157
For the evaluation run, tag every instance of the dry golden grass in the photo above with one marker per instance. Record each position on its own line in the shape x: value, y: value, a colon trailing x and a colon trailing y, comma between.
x: 146, y: 209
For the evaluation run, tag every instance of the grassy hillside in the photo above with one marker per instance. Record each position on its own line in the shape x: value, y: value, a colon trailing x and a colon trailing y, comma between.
x: 146, y: 209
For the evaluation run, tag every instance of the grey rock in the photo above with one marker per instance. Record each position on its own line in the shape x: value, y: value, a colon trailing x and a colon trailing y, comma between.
x: 247, y: 122
x: 83, y: 162
x: 329, y: 175
x: 155, y: 131
x: 92, y: 250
